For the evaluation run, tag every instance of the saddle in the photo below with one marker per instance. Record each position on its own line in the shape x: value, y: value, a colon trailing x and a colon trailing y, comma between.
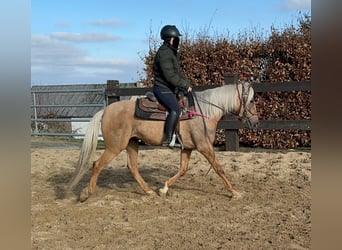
x: 148, y: 108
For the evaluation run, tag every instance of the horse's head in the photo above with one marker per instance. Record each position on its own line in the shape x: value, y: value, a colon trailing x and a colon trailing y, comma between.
x: 247, y: 110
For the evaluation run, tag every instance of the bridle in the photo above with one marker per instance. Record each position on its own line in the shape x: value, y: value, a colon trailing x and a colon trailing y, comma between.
x: 243, y: 97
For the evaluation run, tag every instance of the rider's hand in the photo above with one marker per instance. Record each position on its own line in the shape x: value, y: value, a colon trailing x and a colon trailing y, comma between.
x: 189, y: 89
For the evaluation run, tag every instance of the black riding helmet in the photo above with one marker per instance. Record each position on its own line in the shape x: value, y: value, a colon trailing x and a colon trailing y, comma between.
x: 169, y: 31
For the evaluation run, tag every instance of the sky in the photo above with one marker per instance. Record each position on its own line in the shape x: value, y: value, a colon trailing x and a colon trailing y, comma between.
x: 92, y: 41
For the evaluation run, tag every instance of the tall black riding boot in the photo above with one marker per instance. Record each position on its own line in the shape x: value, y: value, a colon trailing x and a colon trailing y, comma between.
x: 170, y: 126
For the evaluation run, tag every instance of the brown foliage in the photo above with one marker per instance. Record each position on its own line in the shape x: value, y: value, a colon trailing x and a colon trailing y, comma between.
x: 283, y: 57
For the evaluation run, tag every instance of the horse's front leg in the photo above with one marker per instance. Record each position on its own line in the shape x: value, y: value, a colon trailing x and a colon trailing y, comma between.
x: 185, y: 156
x: 209, y: 154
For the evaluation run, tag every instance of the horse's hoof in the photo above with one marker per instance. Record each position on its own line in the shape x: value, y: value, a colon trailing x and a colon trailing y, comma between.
x: 162, y: 193
x: 236, y: 195
x: 84, y: 195
x: 151, y: 193
x: 69, y: 197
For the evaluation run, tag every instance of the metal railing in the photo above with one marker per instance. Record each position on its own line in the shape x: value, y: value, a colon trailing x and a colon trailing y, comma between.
x: 39, y: 121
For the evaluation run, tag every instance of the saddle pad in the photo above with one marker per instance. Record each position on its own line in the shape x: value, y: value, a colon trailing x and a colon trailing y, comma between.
x: 149, y: 106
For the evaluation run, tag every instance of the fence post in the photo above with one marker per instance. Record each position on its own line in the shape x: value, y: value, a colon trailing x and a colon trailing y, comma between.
x: 231, y: 135
x: 112, y: 97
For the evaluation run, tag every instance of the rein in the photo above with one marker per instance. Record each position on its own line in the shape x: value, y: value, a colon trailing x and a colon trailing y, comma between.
x: 243, y: 101
x: 210, y: 103
x: 201, y: 113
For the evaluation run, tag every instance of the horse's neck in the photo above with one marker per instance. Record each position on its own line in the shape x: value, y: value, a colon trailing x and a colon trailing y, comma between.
x: 219, y: 115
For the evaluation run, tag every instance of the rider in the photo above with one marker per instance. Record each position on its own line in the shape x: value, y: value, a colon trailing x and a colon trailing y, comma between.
x: 168, y: 79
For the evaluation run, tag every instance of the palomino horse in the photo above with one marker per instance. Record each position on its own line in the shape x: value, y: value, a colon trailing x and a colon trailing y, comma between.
x: 121, y: 130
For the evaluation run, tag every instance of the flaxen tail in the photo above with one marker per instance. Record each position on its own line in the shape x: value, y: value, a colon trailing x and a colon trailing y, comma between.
x: 87, y: 150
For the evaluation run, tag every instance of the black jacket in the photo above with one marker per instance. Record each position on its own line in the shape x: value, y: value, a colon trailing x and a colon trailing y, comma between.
x: 166, y: 69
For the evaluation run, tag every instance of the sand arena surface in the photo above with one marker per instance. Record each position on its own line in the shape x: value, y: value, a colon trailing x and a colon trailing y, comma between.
x: 273, y: 212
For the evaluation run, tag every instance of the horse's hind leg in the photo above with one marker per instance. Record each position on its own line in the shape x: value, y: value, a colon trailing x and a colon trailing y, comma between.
x: 98, y: 165
x: 208, y: 152
x: 185, y: 156
x: 132, y: 165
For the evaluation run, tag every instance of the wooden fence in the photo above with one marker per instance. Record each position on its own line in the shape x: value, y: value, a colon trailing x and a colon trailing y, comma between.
x: 230, y: 125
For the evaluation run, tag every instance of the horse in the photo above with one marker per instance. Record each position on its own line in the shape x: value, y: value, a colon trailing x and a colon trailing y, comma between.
x: 122, y: 130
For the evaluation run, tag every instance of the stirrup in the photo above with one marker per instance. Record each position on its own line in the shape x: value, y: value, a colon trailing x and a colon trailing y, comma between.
x: 174, y: 144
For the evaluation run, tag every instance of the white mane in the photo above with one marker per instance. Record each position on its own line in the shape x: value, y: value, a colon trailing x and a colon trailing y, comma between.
x: 218, y: 101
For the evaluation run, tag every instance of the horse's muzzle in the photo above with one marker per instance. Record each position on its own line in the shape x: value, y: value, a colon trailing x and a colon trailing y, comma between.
x: 253, y: 122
